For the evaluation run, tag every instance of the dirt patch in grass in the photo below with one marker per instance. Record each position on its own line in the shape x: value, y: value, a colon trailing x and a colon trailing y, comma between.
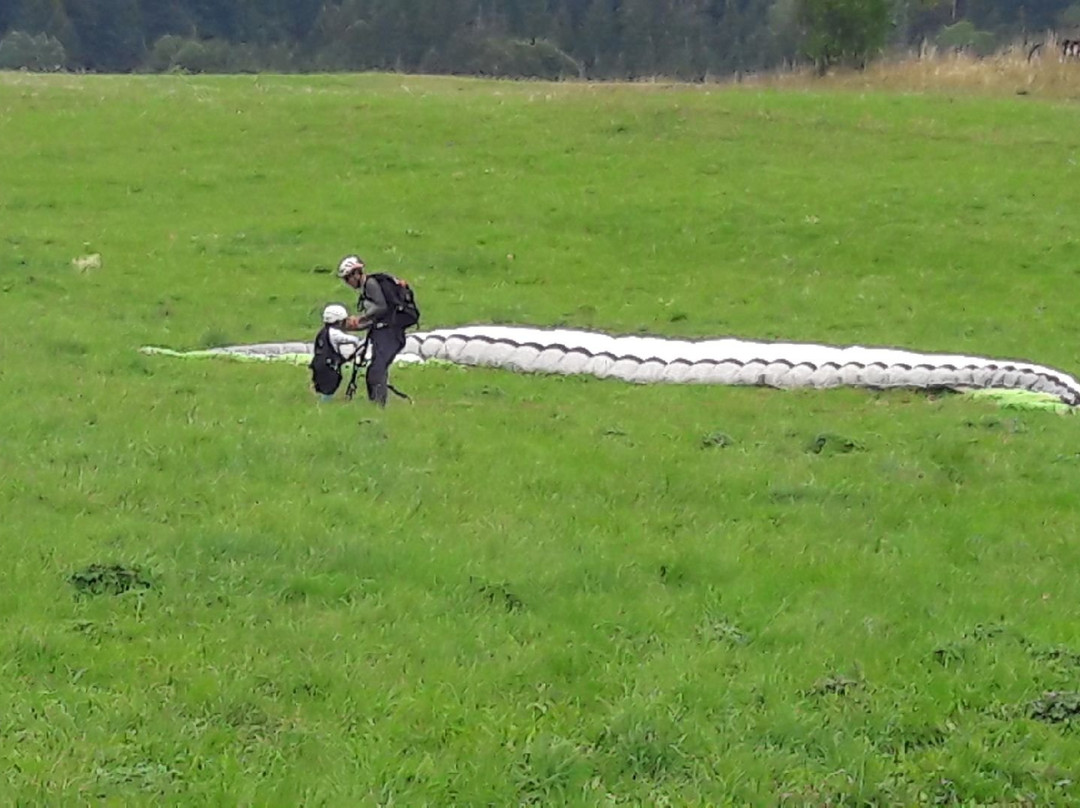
x: 828, y: 443
x: 1056, y: 707
x: 109, y: 579
x: 500, y: 595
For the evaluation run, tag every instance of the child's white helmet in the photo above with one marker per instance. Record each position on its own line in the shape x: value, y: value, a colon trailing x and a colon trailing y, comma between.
x: 348, y: 265
x: 334, y: 313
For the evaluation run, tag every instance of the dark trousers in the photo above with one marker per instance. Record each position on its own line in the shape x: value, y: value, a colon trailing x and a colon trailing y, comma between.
x: 386, y: 343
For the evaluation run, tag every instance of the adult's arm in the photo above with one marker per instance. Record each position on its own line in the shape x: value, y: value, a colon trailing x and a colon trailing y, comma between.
x: 373, y: 305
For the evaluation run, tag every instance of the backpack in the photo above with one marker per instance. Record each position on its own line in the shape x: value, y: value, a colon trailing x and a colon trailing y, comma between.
x: 325, y: 364
x: 400, y: 298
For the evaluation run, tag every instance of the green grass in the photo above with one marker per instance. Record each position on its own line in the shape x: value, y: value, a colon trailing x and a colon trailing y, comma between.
x: 531, y: 589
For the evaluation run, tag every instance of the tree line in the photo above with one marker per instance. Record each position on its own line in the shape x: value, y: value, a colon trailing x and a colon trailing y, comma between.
x: 592, y: 39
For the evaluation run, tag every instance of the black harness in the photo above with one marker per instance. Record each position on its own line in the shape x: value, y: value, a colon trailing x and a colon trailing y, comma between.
x: 359, y: 360
x: 325, y: 363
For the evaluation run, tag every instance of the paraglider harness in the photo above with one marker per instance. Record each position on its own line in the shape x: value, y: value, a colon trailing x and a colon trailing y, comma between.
x: 399, y: 298
x: 359, y: 360
x: 403, y: 314
x: 325, y: 364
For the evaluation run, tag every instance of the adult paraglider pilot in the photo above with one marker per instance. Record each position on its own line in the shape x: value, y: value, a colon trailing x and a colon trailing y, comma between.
x: 375, y: 314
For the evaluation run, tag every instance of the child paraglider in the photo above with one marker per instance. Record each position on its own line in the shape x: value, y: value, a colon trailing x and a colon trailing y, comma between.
x: 333, y: 348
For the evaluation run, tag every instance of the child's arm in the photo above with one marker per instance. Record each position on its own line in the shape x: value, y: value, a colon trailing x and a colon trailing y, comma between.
x: 345, y: 344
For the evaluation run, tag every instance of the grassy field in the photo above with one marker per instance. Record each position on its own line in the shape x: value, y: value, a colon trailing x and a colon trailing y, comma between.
x: 530, y: 589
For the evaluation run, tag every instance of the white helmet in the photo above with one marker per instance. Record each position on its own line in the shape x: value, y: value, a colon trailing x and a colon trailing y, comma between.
x: 334, y: 313
x: 348, y: 265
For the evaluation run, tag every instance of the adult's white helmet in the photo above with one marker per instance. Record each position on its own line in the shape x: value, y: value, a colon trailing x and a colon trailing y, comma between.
x: 348, y: 265
x: 334, y: 313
